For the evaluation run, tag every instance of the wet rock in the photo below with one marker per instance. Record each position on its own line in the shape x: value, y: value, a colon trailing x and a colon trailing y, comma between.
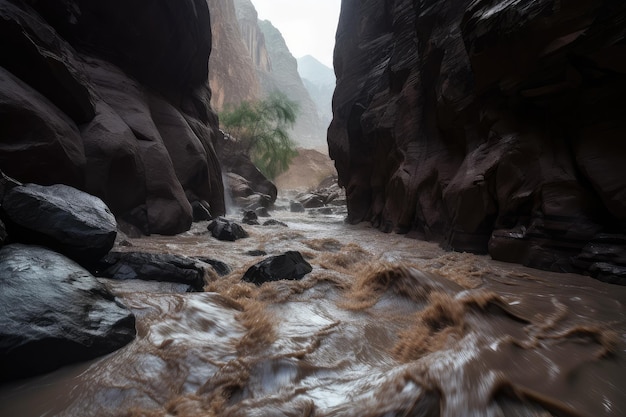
x: 604, y: 258
x: 250, y: 217
x: 223, y: 229
x: 201, y: 211
x: 274, y: 222
x: 296, y: 207
x: 288, y: 266
x: 152, y: 267
x: 62, y: 218
x: 220, y: 267
x: 59, y: 313
x: 311, y: 201
x: 235, y: 162
x: 238, y: 185
x: 321, y: 210
x: 262, y: 212
x: 256, y: 253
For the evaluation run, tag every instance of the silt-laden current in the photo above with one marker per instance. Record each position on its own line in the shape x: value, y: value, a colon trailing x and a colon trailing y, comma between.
x: 384, y: 326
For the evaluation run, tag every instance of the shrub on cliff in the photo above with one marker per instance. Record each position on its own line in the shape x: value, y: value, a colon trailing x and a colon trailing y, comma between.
x: 260, y: 129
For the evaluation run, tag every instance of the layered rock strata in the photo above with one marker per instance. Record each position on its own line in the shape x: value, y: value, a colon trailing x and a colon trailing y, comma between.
x: 112, y: 98
x: 490, y: 126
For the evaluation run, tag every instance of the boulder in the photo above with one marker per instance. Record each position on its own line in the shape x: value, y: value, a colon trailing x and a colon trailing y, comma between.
x: 201, y: 211
x: 62, y: 218
x: 250, y: 217
x: 54, y: 313
x: 152, y: 267
x: 288, y: 266
x: 223, y: 229
x: 220, y: 267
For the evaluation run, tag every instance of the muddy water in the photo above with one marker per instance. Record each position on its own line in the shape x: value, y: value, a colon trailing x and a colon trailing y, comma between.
x: 383, y: 326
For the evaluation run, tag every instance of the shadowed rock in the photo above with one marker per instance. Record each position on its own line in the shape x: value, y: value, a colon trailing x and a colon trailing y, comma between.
x: 250, y: 217
x: 62, y: 218
x: 488, y: 126
x: 288, y: 266
x: 152, y: 267
x: 223, y: 229
x: 54, y: 313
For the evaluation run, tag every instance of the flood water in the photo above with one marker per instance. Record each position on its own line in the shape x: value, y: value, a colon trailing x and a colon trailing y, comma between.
x: 384, y: 326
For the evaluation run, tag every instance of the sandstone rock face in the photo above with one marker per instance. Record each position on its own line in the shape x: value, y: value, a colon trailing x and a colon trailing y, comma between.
x: 488, y: 126
x: 233, y: 76
x: 277, y: 70
x: 123, y: 114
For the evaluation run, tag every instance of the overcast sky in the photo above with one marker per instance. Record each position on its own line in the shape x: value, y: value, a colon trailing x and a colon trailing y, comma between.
x: 308, y: 26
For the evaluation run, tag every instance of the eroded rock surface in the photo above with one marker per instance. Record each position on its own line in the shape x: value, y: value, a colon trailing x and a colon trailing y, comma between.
x: 488, y: 126
x: 121, y: 113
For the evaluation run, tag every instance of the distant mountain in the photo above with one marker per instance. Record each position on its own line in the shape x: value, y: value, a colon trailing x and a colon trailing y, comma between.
x: 320, y: 81
x: 317, y: 73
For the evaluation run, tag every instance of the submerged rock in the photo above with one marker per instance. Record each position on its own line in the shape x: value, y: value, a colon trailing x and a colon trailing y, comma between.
x: 296, y: 207
x: 220, y: 267
x: 223, y: 229
x: 54, y: 313
x: 152, y: 267
x: 274, y: 222
x: 290, y: 265
x: 63, y: 218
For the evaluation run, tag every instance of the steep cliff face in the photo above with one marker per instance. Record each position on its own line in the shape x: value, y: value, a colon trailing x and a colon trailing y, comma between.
x: 112, y: 97
x: 277, y: 69
x: 233, y: 76
x: 489, y: 126
x: 319, y: 80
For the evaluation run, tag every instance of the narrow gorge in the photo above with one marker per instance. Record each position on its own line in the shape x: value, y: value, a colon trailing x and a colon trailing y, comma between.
x: 467, y: 256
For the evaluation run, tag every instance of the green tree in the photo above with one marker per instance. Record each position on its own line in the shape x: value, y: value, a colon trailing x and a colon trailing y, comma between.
x: 260, y: 129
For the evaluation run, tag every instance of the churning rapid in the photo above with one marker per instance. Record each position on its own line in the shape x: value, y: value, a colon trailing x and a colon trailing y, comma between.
x: 384, y: 325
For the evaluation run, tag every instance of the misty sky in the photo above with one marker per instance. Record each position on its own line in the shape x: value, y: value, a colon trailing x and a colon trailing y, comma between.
x: 308, y: 26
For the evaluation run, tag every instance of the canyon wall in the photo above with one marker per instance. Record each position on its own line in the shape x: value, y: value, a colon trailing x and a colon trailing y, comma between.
x: 277, y: 70
x: 490, y: 126
x: 233, y: 76
x: 112, y: 97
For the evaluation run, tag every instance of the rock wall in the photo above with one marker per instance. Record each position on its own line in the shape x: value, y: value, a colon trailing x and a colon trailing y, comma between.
x: 277, y: 70
x: 233, y: 77
x: 490, y: 126
x: 112, y: 97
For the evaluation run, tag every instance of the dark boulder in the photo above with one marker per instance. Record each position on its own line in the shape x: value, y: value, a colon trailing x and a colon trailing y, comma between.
x: 160, y: 267
x: 223, y: 229
x: 310, y: 200
x: 54, y: 313
x: 201, y: 211
x: 288, y: 266
x: 62, y: 218
x: 250, y: 217
x: 220, y: 267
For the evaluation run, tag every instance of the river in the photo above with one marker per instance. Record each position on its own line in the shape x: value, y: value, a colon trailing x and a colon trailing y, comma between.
x: 384, y: 326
